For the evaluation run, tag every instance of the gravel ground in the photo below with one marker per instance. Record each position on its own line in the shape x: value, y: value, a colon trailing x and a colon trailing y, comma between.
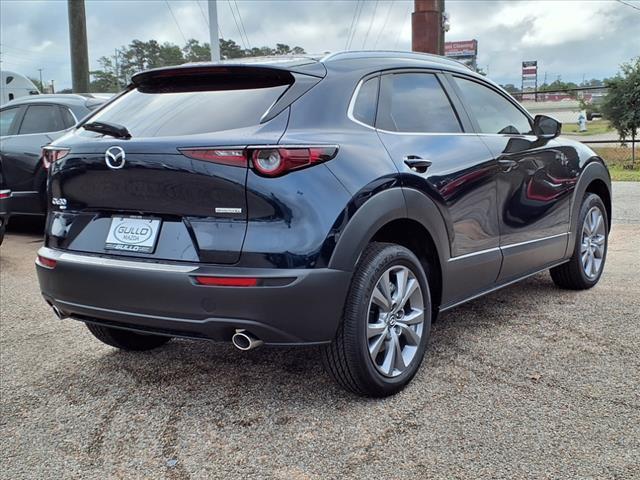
x: 529, y: 382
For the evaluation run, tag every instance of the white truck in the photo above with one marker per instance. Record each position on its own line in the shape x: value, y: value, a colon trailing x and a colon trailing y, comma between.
x: 14, y: 85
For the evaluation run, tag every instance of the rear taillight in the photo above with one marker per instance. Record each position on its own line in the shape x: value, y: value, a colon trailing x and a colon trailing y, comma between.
x: 46, y: 262
x: 267, y: 161
x: 5, y: 194
x: 273, y: 162
x: 234, y: 157
x: 53, y: 154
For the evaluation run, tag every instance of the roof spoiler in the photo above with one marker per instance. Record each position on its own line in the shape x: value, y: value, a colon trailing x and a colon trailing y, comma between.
x: 275, y: 71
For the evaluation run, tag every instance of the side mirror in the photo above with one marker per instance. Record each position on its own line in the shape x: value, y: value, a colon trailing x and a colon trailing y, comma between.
x: 546, y: 127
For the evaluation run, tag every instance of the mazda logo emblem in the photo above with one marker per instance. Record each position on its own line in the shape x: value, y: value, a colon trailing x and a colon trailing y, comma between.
x: 114, y: 157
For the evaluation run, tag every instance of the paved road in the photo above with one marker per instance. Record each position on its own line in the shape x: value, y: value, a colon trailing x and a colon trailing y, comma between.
x: 529, y: 382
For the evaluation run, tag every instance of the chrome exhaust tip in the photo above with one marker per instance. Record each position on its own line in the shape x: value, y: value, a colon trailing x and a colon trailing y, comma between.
x: 58, y: 312
x: 244, y: 341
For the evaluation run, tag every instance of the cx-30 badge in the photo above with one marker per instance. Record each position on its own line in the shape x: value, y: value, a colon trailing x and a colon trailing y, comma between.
x: 114, y: 157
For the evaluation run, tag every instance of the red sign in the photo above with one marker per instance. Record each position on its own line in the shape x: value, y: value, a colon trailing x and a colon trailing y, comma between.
x: 461, y: 49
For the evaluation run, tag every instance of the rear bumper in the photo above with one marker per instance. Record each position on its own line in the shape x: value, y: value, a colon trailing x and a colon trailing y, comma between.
x: 26, y: 203
x: 291, y: 307
x: 5, y: 198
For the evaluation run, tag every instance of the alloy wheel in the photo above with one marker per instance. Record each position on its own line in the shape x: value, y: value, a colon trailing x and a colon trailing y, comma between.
x: 396, y: 321
x: 592, y: 245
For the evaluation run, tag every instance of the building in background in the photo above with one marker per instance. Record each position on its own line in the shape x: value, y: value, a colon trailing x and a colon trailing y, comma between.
x: 464, y: 52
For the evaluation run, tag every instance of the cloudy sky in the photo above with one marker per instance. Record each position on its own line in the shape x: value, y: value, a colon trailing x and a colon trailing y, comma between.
x: 568, y: 38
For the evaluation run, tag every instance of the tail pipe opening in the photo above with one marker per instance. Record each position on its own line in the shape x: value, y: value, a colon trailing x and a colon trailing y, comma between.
x: 244, y: 340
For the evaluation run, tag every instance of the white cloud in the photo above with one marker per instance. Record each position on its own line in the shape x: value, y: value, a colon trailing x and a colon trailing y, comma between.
x: 568, y: 38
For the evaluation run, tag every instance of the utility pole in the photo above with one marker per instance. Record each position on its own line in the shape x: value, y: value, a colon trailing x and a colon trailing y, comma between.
x: 78, y: 42
x: 53, y: 90
x: 214, y: 41
x: 427, y: 27
x: 116, y: 72
x: 41, y: 84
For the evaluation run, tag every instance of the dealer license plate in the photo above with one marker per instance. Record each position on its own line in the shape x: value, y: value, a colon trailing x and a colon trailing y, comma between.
x: 133, y: 234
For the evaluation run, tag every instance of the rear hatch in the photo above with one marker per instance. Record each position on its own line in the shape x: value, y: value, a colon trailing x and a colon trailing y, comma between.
x: 140, y: 194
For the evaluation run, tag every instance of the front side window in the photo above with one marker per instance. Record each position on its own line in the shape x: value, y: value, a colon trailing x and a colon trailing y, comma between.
x: 6, y: 119
x: 416, y: 103
x: 494, y: 113
x: 41, y: 119
x: 364, y: 108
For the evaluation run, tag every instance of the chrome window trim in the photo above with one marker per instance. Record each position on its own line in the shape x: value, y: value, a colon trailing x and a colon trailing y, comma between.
x: 352, y: 104
x: 112, y: 262
x: 350, y: 116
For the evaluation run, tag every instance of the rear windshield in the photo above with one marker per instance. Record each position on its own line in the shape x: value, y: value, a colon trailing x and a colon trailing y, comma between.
x: 161, y: 112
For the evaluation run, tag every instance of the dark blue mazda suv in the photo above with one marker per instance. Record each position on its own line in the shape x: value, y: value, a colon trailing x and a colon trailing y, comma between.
x: 341, y: 202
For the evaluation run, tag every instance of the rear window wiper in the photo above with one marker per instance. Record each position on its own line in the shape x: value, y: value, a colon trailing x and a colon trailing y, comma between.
x: 108, y: 128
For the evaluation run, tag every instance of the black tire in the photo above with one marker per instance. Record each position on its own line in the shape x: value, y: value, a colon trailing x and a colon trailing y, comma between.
x: 571, y: 275
x: 125, y: 339
x: 347, y: 358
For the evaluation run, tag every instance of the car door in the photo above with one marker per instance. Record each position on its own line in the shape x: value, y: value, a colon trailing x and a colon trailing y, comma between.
x: 536, y: 180
x: 430, y: 143
x: 38, y: 126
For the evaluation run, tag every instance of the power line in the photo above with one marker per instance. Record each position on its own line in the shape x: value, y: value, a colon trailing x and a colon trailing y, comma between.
x: 406, y: 12
x: 353, y: 19
x: 373, y: 17
x: 628, y: 4
x: 355, y: 26
x: 237, y: 26
x: 206, y: 20
x: 384, y: 25
x: 244, y: 30
x: 176, y: 21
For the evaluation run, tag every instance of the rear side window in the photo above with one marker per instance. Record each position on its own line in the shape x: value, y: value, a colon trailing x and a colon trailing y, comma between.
x: 416, y: 103
x: 364, y: 107
x: 165, y: 112
x: 6, y: 119
x: 494, y: 113
x: 67, y: 117
x: 41, y: 119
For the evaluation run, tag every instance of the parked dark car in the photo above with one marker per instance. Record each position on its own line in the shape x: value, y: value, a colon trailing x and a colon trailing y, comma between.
x: 26, y: 125
x: 5, y: 195
x: 343, y: 202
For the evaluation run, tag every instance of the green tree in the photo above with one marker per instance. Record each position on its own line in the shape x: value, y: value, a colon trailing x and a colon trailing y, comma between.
x: 621, y: 104
x: 115, y: 72
x: 37, y: 83
x: 194, y: 52
x: 230, y: 49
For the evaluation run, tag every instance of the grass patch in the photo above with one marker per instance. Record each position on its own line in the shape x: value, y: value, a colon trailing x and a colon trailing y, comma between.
x: 593, y: 128
x: 618, y: 160
x: 619, y: 174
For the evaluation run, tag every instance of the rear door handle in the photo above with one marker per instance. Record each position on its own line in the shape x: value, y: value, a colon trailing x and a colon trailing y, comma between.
x: 416, y: 163
x: 508, y: 165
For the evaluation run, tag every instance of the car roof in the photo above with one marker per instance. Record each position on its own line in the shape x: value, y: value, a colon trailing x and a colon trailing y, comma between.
x: 429, y: 60
x: 66, y: 99
x: 314, y: 64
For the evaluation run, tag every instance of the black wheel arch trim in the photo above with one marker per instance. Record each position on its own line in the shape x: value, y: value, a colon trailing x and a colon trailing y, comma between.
x: 594, y: 169
x: 386, y: 206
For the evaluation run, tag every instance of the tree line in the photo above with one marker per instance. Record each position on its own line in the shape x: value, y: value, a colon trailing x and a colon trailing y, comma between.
x: 115, y: 72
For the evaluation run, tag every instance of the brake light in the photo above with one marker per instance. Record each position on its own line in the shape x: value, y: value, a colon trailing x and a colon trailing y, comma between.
x: 52, y: 154
x: 227, y: 281
x: 5, y: 194
x: 267, y: 161
x: 273, y: 162
x: 46, y: 262
x: 233, y: 157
